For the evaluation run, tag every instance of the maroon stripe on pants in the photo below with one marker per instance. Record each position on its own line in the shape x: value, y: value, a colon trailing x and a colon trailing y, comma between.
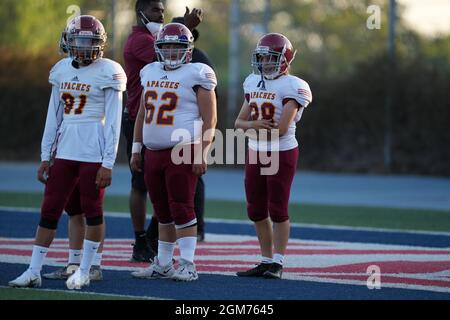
x: 171, y: 187
x: 64, y: 175
x: 269, y: 194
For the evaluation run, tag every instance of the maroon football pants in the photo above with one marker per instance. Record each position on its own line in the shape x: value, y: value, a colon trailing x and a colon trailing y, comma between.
x: 73, y: 206
x: 64, y: 175
x: 171, y: 187
x: 269, y: 194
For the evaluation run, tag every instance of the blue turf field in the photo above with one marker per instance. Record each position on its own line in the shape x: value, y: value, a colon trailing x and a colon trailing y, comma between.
x: 212, y: 286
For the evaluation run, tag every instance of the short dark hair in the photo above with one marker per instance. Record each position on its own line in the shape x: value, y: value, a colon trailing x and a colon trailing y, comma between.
x: 141, y: 5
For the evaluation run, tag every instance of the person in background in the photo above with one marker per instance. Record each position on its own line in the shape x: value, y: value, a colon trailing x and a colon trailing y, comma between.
x: 138, y: 52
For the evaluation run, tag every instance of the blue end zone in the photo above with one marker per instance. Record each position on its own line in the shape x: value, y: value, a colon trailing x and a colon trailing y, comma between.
x: 220, y: 287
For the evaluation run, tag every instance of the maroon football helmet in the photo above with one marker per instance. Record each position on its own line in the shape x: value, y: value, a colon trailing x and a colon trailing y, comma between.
x: 273, y: 55
x: 85, y: 39
x: 174, y: 45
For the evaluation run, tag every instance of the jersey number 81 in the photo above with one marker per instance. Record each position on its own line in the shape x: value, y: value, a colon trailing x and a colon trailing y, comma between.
x: 69, y: 103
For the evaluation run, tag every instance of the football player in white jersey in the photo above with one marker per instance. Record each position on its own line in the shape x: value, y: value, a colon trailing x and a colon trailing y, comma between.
x: 81, y: 135
x: 76, y: 225
x: 177, y: 95
x: 274, y: 99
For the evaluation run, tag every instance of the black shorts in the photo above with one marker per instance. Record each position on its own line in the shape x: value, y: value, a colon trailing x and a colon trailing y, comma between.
x: 137, y: 178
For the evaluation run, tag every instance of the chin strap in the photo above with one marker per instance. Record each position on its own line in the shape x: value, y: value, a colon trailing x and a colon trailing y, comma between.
x: 261, y: 84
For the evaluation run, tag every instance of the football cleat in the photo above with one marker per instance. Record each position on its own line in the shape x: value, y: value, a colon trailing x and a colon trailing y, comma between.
x: 63, y: 273
x: 186, y: 271
x: 95, y: 274
x: 257, y: 271
x: 155, y: 271
x: 28, y: 279
x: 78, y: 280
x: 274, y: 272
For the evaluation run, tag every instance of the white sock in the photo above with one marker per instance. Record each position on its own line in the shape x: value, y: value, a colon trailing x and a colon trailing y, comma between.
x: 165, y: 252
x: 74, y: 256
x: 266, y: 260
x: 278, y: 258
x: 89, y: 250
x: 97, y: 259
x: 187, y: 248
x: 37, y: 259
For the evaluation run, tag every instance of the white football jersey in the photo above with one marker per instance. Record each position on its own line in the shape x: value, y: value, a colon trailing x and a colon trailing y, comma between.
x: 171, y: 103
x: 87, y: 110
x: 268, y: 103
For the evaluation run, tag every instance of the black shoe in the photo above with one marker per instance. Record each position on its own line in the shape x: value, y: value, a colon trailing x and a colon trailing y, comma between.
x: 257, y: 271
x: 142, y: 254
x: 275, y: 271
x: 200, y: 236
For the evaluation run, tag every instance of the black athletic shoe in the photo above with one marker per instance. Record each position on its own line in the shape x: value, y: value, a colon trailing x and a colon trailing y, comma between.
x: 257, y: 271
x: 142, y: 254
x: 275, y: 271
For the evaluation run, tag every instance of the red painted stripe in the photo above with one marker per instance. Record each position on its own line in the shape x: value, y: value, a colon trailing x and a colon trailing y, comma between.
x: 226, y: 251
x: 240, y: 251
x: 410, y: 267
x: 391, y: 280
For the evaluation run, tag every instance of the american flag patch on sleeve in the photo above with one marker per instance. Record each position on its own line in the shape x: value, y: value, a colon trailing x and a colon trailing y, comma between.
x: 119, y: 76
x: 305, y: 93
x: 210, y: 76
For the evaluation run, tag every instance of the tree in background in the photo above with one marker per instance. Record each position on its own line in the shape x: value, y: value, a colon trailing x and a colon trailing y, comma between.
x: 344, y: 62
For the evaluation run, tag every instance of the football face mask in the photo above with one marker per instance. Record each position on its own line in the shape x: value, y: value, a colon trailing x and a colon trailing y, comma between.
x: 84, y: 49
x: 173, y: 55
x: 267, y: 62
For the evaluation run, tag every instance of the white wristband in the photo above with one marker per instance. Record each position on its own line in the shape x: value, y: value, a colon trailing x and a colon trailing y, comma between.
x: 137, y: 147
